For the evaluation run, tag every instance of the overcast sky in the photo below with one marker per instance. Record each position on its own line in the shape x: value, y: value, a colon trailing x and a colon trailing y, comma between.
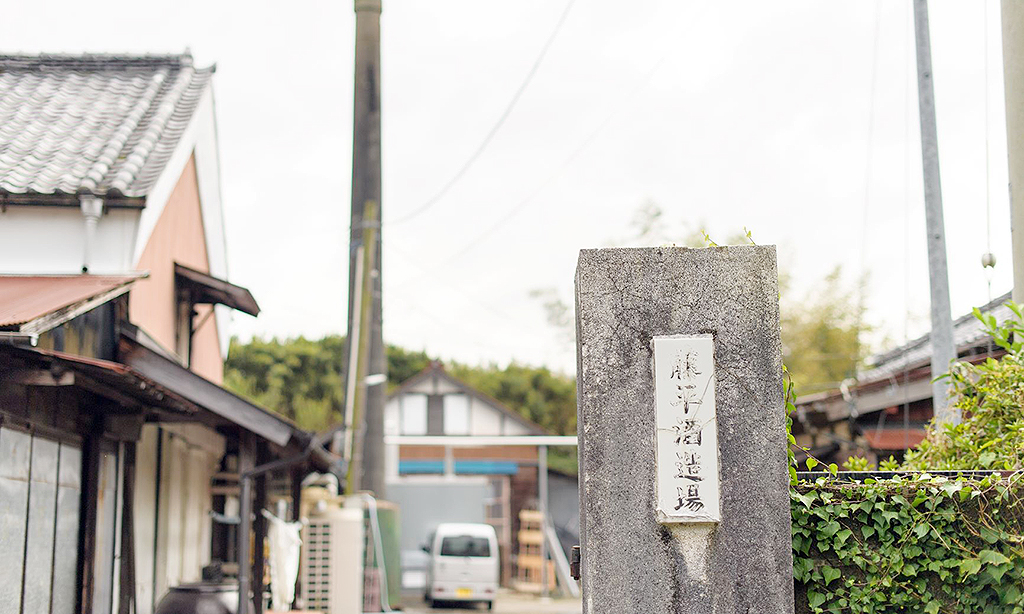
x: 796, y: 120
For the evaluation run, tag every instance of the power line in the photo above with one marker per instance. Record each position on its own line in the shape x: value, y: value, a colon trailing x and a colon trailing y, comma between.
x: 494, y: 129
x: 555, y: 175
x: 570, y: 159
x: 862, y: 282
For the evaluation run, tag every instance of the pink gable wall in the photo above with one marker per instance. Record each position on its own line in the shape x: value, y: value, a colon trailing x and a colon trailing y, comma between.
x: 177, y: 237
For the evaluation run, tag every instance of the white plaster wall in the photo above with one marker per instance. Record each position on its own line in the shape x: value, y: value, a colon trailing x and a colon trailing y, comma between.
x: 484, y: 420
x: 391, y: 427
x: 446, y: 387
x: 392, y: 418
x: 52, y: 240
x: 514, y: 428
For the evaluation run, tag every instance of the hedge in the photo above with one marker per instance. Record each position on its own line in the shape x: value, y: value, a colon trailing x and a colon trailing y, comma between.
x: 920, y: 543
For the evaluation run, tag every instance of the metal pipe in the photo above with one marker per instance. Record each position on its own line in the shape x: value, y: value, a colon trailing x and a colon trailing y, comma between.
x: 449, y: 463
x: 353, y: 355
x: 542, y: 487
x: 92, y: 208
x: 475, y: 441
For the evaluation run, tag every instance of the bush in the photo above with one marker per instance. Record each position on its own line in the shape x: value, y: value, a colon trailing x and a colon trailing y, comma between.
x: 990, y: 396
x: 927, y: 544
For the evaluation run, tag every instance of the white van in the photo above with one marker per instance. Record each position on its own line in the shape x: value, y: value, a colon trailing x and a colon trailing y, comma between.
x: 463, y: 564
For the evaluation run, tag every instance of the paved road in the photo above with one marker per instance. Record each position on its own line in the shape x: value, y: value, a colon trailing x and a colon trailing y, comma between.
x: 506, y: 603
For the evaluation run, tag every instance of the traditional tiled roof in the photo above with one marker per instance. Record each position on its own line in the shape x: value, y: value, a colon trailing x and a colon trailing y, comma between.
x: 967, y: 331
x: 91, y: 124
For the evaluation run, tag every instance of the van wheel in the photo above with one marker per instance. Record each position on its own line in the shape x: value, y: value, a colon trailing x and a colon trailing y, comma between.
x: 490, y: 605
x: 431, y: 603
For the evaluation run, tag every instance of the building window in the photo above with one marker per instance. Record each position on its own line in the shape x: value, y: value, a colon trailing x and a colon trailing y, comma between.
x: 413, y: 409
x: 456, y: 414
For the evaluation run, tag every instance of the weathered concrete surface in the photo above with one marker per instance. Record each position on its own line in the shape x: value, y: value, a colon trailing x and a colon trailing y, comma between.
x: 630, y: 563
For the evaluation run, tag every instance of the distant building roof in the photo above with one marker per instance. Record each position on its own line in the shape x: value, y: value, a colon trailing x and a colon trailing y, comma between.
x: 25, y: 298
x: 93, y: 124
x: 436, y: 369
x: 967, y: 331
x: 894, y: 438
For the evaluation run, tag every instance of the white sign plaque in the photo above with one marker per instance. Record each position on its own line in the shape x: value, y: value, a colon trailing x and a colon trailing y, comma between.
x: 687, y: 479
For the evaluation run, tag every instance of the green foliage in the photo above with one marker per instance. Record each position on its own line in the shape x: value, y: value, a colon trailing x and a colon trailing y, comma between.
x: 301, y: 379
x: 403, y: 364
x: 927, y: 544
x: 990, y: 396
x: 298, y: 378
x: 821, y: 334
x: 859, y: 463
x: 547, y: 398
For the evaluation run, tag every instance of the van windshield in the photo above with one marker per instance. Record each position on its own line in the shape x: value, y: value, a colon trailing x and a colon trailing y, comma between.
x: 465, y: 545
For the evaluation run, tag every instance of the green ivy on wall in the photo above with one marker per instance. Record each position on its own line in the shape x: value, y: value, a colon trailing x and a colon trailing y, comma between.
x: 927, y: 544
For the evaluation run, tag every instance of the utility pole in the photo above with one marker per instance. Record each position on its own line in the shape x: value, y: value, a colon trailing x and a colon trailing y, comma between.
x: 367, y: 460
x: 943, y: 350
x: 1013, y: 79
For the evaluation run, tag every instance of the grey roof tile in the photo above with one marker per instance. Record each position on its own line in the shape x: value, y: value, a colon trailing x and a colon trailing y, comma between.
x: 967, y: 331
x: 100, y: 124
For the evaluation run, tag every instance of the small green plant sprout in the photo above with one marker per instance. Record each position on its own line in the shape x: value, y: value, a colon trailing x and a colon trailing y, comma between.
x: 889, y: 464
x: 750, y: 237
x: 858, y: 463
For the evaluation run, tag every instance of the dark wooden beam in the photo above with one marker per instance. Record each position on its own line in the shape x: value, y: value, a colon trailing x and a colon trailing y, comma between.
x: 126, y: 602
x: 297, y: 474
x: 38, y: 377
x: 246, y: 463
x: 87, y: 534
x: 259, y: 536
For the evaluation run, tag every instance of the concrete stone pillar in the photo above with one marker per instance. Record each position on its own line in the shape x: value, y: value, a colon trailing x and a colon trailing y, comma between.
x: 631, y: 562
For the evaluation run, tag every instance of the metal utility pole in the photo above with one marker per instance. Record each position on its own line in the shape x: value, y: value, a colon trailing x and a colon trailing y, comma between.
x: 368, y: 459
x: 943, y: 350
x: 1013, y: 79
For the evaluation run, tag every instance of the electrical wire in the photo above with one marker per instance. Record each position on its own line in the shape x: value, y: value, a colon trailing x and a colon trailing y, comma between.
x: 551, y: 178
x: 862, y: 282
x: 906, y: 218
x: 494, y: 129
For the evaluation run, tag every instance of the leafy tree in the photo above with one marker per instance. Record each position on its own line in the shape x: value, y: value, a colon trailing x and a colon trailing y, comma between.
x: 822, y: 334
x: 403, y: 364
x: 535, y: 393
x: 301, y: 379
x: 298, y: 378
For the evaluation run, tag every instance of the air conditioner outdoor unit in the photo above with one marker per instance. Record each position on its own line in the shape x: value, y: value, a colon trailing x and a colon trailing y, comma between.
x: 332, y: 561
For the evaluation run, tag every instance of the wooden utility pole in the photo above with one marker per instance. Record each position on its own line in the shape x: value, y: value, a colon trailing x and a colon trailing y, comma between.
x: 943, y: 348
x: 1013, y: 79
x: 368, y: 467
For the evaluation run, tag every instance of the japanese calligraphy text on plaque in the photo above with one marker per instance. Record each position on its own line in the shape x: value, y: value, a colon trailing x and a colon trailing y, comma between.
x: 687, y: 479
